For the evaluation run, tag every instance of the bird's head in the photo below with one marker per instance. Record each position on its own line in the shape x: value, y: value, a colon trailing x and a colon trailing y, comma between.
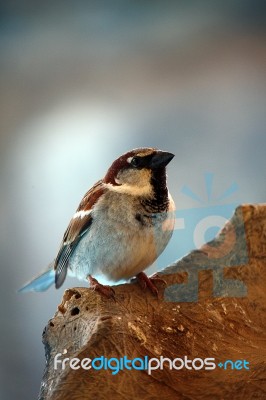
x: 136, y: 171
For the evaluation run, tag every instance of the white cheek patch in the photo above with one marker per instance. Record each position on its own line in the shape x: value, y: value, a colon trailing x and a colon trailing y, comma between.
x: 131, y: 190
x: 81, y: 214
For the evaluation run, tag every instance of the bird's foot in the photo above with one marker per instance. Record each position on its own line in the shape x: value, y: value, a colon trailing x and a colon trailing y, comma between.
x: 104, y: 290
x: 149, y: 283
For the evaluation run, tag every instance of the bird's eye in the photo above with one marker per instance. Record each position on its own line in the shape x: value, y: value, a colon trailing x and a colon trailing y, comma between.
x: 135, y: 162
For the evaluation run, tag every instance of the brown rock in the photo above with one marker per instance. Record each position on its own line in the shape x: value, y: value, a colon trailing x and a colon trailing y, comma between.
x: 213, y: 306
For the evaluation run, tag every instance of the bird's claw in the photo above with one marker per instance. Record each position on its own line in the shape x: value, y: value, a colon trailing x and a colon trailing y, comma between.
x: 105, y: 290
x: 146, y: 282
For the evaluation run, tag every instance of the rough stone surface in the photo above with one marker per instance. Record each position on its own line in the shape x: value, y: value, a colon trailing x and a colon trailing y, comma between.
x: 224, y: 319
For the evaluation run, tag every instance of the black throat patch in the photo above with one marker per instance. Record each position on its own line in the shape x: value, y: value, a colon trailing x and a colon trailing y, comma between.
x: 159, y: 203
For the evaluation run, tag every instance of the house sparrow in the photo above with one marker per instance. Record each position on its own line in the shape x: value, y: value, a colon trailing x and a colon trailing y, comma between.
x: 122, y: 224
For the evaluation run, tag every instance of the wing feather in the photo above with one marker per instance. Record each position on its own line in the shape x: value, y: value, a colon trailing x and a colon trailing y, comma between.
x: 78, y: 226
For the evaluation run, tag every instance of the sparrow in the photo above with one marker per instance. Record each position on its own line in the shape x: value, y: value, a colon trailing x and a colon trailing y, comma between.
x: 121, y: 226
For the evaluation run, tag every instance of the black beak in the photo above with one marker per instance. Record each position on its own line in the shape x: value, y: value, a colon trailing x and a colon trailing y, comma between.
x: 160, y: 159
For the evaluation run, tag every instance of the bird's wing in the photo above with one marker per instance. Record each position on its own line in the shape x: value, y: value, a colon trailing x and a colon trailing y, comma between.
x: 78, y: 226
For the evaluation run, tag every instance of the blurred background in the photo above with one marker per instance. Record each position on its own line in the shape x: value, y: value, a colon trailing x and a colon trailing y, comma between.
x: 82, y: 82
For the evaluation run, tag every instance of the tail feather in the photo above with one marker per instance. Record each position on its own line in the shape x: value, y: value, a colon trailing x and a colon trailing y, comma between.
x: 41, y: 283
